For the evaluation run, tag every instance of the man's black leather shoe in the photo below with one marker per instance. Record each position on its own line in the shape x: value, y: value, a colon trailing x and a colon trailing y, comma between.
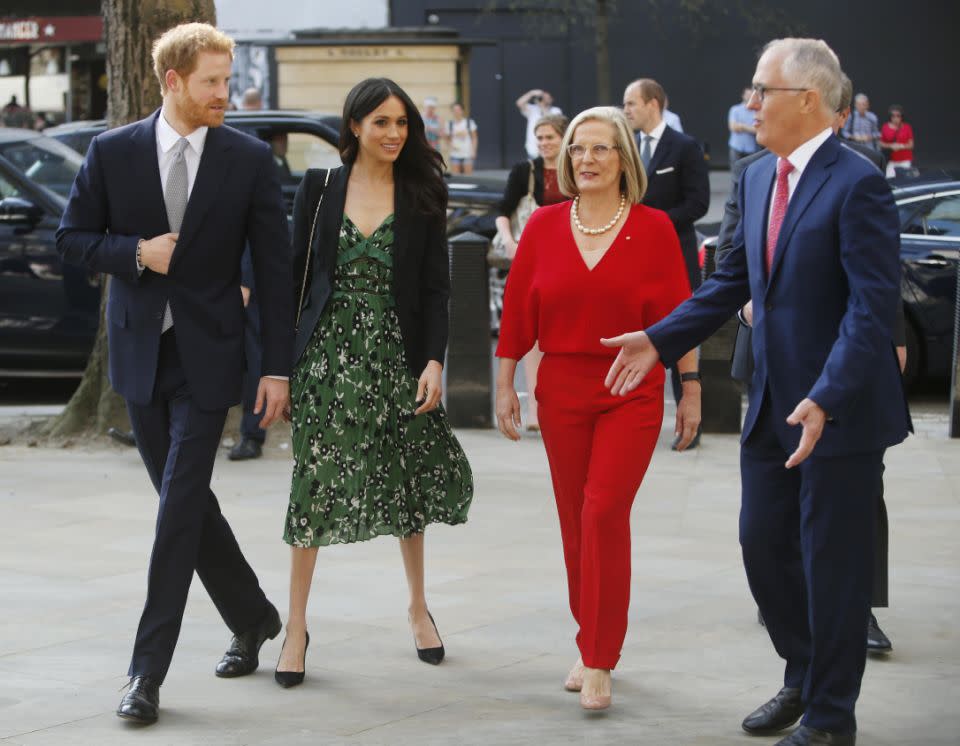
x: 245, y: 450
x: 780, y: 712
x: 806, y: 736
x: 243, y: 655
x: 124, y: 437
x: 877, y: 642
x: 141, y: 703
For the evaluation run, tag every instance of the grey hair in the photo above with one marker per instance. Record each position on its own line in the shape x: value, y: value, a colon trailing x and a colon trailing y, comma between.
x: 810, y: 63
x: 846, y: 92
x: 861, y: 97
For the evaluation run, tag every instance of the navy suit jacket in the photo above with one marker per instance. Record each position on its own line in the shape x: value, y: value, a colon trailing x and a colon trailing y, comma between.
x: 681, y: 189
x: 117, y: 199
x: 823, y: 321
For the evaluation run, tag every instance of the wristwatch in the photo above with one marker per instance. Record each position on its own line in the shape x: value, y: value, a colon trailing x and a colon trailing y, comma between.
x: 693, y: 375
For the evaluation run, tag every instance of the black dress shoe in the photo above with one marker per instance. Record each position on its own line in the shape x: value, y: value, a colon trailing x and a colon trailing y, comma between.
x: 806, y: 736
x: 124, y: 437
x: 141, y: 703
x: 780, y: 712
x: 433, y: 656
x: 245, y: 450
x: 242, y: 657
x: 877, y: 642
x: 287, y: 679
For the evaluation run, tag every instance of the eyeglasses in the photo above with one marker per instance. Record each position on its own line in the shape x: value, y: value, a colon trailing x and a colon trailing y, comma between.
x: 599, y: 151
x: 760, y: 90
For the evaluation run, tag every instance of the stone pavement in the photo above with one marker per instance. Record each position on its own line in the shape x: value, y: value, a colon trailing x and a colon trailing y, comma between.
x: 76, y: 526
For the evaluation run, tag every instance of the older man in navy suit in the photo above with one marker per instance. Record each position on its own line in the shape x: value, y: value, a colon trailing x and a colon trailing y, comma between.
x: 165, y: 206
x: 817, y: 250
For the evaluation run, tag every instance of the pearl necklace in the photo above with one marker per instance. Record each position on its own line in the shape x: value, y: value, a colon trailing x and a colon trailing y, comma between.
x: 602, y: 229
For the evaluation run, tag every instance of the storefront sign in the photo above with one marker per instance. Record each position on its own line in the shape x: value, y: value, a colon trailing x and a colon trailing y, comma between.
x: 51, y: 30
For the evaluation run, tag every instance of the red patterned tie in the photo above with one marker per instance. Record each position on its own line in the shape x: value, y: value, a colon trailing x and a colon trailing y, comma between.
x: 781, y: 196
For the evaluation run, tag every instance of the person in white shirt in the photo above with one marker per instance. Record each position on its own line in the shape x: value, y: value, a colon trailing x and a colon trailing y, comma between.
x: 461, y: 132
x: 534, y: 105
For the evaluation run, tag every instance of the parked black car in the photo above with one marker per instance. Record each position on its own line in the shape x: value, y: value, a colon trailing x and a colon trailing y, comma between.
x: 48, y: 311
x: 929, y: 253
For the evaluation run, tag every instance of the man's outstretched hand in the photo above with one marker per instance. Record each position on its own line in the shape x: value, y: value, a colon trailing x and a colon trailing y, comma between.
x: 636, y: 358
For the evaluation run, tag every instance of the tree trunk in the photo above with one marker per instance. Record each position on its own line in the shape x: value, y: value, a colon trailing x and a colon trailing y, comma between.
x: 130, y: 27
x: 603, y: 54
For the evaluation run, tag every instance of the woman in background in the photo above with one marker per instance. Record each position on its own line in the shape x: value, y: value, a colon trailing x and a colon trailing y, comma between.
x: 549, y: 131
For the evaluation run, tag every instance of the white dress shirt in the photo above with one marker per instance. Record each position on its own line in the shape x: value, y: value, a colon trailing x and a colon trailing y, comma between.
x: 167, y: 137
x: 799, y: 159
x: 655, y: 134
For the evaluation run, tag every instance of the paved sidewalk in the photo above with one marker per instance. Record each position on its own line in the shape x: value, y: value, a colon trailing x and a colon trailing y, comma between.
x: 76, y: 528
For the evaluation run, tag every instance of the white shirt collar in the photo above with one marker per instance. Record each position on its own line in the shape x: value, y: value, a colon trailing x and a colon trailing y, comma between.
x: 800, y: 157
x: 167, y: 136
x: 657, y: 132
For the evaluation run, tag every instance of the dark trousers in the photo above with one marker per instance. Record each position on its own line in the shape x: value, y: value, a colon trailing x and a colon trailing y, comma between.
x: 178, y: 443
x: 807, y: 540
x: 880, y: 597
x: 253, y: 350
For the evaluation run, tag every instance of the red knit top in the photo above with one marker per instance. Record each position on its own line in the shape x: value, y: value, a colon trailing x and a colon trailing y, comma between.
x: 552, y: 298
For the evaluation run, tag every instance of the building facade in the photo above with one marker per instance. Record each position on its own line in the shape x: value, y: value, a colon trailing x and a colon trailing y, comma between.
x: 703, y: 60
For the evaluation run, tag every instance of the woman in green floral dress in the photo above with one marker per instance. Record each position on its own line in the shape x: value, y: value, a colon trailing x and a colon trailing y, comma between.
x: 373, y: 450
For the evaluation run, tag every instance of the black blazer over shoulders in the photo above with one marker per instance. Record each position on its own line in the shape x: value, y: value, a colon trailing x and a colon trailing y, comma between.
x: 421, y: 269
x: 517, y: 184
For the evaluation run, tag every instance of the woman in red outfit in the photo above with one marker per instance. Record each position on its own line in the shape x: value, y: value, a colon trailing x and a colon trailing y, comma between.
x: 595, y: 267
x: 896, y: 138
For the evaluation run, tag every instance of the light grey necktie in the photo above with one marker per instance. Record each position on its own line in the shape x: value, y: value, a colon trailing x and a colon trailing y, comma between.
x: 175, y: 200
x: 645, y: 154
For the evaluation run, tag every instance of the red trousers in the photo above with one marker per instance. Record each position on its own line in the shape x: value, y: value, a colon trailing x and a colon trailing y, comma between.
x: 599, y: 447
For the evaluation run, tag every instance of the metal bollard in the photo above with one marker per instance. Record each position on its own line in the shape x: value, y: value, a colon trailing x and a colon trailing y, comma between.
x: 721, y: 394
x: 469, y: 385
x: 955, y: 377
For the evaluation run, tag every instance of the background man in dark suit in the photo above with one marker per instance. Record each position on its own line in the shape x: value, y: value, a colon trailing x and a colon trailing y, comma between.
x: 742, y: 364
x: 678, y: 182
x: 165, y: 206
x: 817, y: 250
x: 252, y: 436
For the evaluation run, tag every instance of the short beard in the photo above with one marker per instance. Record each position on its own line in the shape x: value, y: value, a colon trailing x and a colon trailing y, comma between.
x: 197, y: 115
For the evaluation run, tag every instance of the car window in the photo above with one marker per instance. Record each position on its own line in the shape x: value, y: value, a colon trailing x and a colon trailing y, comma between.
x: 8, y: 188
x: 944, y: 217
x: 306, y: 150
x: 45, y: 162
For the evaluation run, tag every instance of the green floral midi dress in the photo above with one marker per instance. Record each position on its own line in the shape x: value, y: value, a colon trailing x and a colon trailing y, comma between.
x: 364, y: 464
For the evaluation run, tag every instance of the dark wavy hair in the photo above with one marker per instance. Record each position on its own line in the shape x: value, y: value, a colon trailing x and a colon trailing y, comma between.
x: 418, y: 169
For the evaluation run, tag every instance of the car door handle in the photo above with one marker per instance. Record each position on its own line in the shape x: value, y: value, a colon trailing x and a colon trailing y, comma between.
x: 934, y: 260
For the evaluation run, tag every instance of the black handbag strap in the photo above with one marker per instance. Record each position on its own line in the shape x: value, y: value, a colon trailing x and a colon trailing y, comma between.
x: 313, y: 227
